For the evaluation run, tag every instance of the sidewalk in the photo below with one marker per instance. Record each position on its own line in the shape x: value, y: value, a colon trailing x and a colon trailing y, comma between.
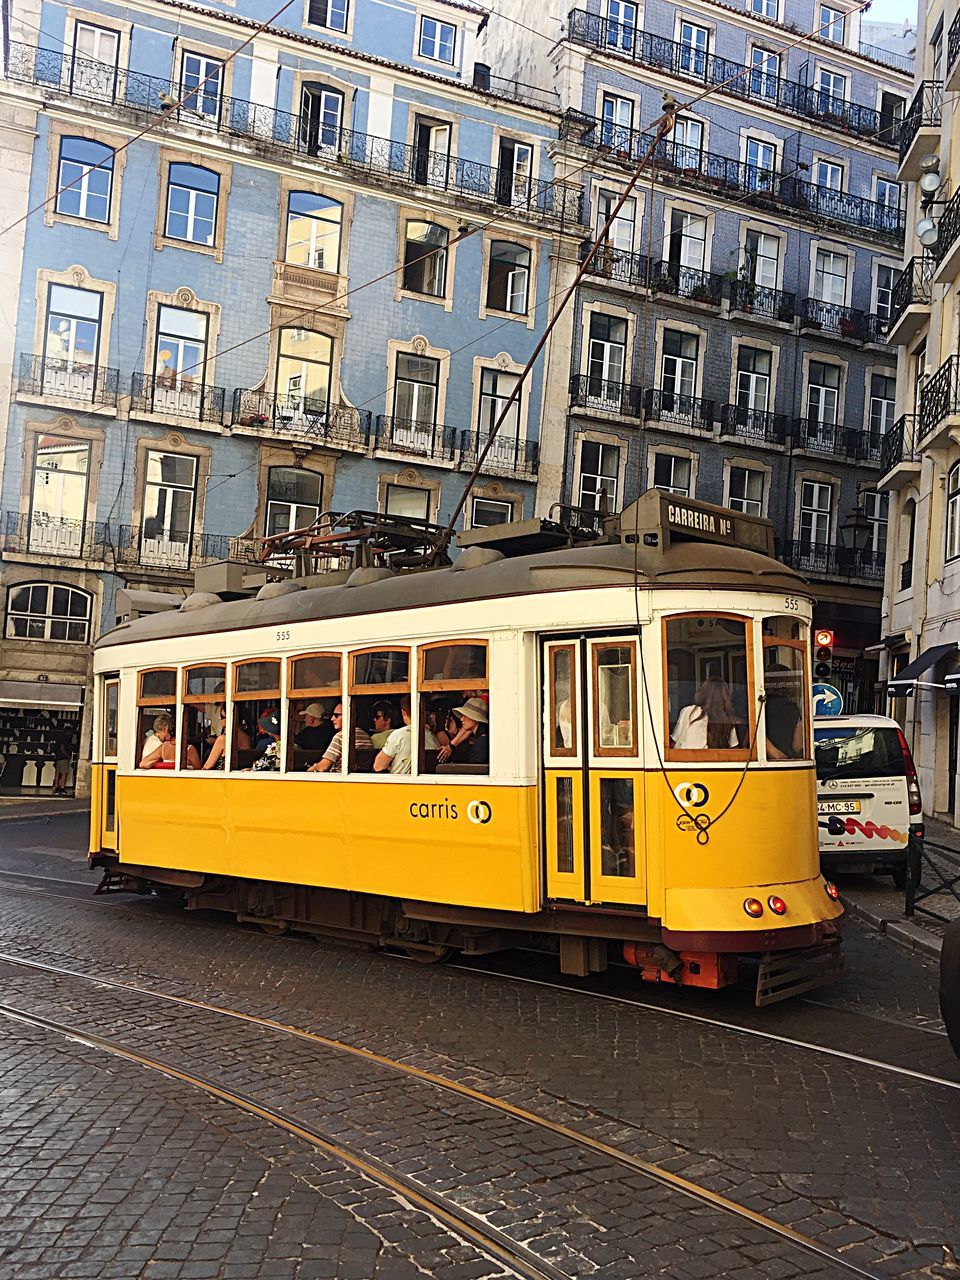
x: 25, y: 808
x: 878, y: 902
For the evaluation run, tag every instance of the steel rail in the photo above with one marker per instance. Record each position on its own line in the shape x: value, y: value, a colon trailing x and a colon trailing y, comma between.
x: 653, y: 1172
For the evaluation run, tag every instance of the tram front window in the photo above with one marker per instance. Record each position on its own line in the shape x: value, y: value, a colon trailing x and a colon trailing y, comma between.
x: 708, y: 686
x: 786, y: 726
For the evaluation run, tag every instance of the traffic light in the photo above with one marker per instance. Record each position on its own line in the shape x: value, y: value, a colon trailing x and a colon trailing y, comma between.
x: 823, y: 654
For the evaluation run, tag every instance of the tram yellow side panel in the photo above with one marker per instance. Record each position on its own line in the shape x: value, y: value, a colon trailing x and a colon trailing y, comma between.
x: 475, y: 846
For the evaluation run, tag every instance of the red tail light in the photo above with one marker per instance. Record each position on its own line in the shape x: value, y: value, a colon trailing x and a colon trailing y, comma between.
x: 777, y: 905
x: 832, y: 890
x: 910, y: 769
x: 753, y: 907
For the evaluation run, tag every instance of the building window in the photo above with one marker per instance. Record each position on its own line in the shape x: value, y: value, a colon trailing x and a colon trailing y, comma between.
x: 416, y: 391
x: 72, y: 340
x: 765, y: 73
x: 431, y: 152
x: 403, y: 500
x: 830, y: 277
x: 953, y: 512
x: 671, y: 473
x: 514, y: 173
x: 875, y: 506
x: 828, y: 176
x: 508, y: 277
x: 763, y: 8
x: 621, y: 232
x: 331, y: 14
x: 830, y: 24
x: 45, y: 611
x: 831, y: 92
x: 687, y: 246
x: 616, y: 116
x: 438, y: 40
x: 85, y: 179
x: 293, y: 499
x: 58, y: 495
x: 678, y: 370
x: 169, y: 493
x: 883, y: 394
x: 313, y: 231
x: 621, y: 25
x: 96, y: 56
x: 761, y: 158
x: 304, y: 365
x: 753, y: 380
x: 489, y: 511
x: 203, y: 98
x: 181, y: 360
x: 823, y: 392
x: 606, y: 360
x: 746, y: 491
x: 892, y: 108
x: 425, y: 259
x: 599, y: 476
x: 687, y: 138
x: 694, y: 43
x: 761, y: 254
x: 192, y: 195
x: 887, y: 278
x: 496, y: 387
x: 888, y: 194
x: 816, y: 503
x: 321, y: 118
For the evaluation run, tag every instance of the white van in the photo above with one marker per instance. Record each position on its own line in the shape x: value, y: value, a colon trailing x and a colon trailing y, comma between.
x: 869, y: 812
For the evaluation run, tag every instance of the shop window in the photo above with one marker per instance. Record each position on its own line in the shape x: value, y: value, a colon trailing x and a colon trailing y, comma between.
x: 85, y: 179
x: 454, y: 707
x: 314, y: 691
x: 379, y: 678
x: 786, y: 721
x: 204, y: 714
x: 709, y: 687
x: 256, y: 713
x: 45, y: 611
x: 155, y: 745
x: 614, y: 699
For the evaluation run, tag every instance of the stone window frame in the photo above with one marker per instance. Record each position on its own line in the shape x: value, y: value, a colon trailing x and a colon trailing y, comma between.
x: 220, y: 53
x: 501, y: 363
x: 442, y: 115
x: 884, y: 370
x: 66, y: 575
x: 760, y: 344
x: 169, y: 442
x: 842, y: 163
x: 681, y: 204
x: 533, y: 245
x: 438, y: 14
x: 182, y: 299
x: 71, y: 429
x: 590, y: 436
x: 57, y: 130
x: 494, y: 492
x: 754, y: 223
x: 602, y: 90
x: 760, y: 135
x: 288, y: 315
x: 418, y: 345
x: 880, y: 260
x: 608, y: 308
x: 701, y: 120
x: 822, y: 357
x: 817, y: 477
x: 684, y: 326
x: 827, y: 63
x: 330, y: 32
x: 405, y: 215
x: 75, y: 277
x: 347, y: 201
x: 668, y: 449
x: 166, y: 156
x: 504, y: 133
x: 329, y: 79
x: 638, y: 195
x: 317, y: 462
x: 697, y: 19
x: 831, y: 246
x: 749, y: 464
x: 409, y: 478
x: 75, y: 15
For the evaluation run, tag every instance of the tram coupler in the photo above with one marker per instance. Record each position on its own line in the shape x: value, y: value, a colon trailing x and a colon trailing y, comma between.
x: 658, y: 963
x: 782, y: 974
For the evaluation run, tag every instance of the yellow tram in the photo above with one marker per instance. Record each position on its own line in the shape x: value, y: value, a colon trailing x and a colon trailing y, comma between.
x: 645, y: 788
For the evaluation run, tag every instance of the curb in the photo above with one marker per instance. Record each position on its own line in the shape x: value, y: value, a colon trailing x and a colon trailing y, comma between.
x: 912, y: 936
x: 40, y: 813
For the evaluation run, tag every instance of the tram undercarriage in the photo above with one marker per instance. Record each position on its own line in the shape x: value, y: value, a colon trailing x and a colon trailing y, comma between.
x: 586, y: 939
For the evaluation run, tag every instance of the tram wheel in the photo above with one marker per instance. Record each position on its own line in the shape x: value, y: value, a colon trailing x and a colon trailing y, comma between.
x: 274, y: 928
x: 427, y: 954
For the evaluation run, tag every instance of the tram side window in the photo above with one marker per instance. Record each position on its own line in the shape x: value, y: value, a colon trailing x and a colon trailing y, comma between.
x: 709, y: 702
x: 313, y: 693
x: 615, y: 700
x: 562, y: 730
x: 204, y: 694
x: 454, y: 707
x: 785, y: 710
x: 256, y: 715
x: 379, y: 680
x: 157, y: 719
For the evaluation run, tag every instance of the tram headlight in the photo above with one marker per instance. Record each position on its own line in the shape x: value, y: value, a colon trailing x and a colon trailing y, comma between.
x: 832, y: 890
x: 777, y: 905
x: 753, y: 907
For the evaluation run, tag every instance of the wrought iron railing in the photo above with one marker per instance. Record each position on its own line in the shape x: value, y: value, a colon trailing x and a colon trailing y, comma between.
x: 924, y: 112
x: 726, y: 76
x: 899, y: 61
x: 420, y: 439
x: 878, y: 327
x: 913, y: 287
x: 517, y: 91
x: 940, y: 397
x: 755, y: 299
x: 899, y: 444
x: 949, y: 227
x: 835, y: 440
x: 841, y: 208
x: 822, y: 560
x: 276, y: 130
x: 506, y: 456
x: 588, y: 391
x: 301, y: 417
x: 848, y: 322
x: 756, y: 425
x: 660, y: 405
x: 953, y: 42
x: 179, y: 550
x: 686, y: 282
x: 47, y: 535
x: 176, y: 395
x: 92, y: 384
x: 617, y: 264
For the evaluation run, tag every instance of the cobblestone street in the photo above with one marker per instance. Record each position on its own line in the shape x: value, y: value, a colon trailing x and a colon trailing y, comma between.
x: 599, y: 1127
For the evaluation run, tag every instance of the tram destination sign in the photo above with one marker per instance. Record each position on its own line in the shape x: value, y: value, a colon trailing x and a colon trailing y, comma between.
x: 685, y: 518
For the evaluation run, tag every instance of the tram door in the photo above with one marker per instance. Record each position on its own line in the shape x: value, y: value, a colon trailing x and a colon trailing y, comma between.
x: 593, y: 780
x: 108, y: 767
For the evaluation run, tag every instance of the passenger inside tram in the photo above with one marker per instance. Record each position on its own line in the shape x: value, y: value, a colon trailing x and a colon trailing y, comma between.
x: 471, y: 743
x: 784, y: 665
x: 215, y: 757
x: 708, y: 691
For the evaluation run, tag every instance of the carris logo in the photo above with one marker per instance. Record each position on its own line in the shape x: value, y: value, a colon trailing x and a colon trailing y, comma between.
x: 692, y: 795
x: 479, y: 812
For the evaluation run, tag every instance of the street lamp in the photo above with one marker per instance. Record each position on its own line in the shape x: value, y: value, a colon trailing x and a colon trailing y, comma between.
x: 927, y: 232
x: 855, y: 532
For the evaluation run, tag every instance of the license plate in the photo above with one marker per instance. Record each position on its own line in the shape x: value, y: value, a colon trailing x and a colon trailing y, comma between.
x: 838, y: 806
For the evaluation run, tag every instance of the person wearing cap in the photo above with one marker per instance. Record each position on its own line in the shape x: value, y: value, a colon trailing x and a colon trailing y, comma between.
x: 334, y: 753
x: 269, y: 744
x: 316, y: 732
x: 471, y: 743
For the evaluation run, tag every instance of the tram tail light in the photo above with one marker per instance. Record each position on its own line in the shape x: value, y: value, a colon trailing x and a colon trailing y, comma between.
x: 753, y: 907
x: 777, y: 905
x: 832, y: 890
x: 910, y: 769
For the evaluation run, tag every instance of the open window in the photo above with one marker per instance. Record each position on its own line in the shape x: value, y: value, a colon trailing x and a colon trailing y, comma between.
x: 709, y: 687
x: 156, y: 718
x: 454, y: 707
x: 256, y: 711
x: 379, y: 678
x: 204, y: 712
x: 786, y: 709
x: 313, y: 691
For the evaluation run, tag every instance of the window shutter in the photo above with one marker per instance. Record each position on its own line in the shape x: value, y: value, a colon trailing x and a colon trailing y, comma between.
x: 317, y: 13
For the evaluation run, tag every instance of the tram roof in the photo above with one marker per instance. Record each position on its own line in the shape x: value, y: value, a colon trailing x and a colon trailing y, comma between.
x: 681, y: 565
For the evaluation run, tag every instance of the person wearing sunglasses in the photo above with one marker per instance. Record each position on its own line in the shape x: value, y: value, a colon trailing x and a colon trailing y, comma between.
x: 333, y: 755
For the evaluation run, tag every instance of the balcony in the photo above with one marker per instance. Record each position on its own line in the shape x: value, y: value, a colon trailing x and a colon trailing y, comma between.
x: 425, y: 440
x: 670, y: 408
x: 839, y: 208
x: 910, y: 302
x: 688, y: 283
x: 752, y: 426
x: 733, y: 78
x: 507, y: 456
x: 952, y: 81
x: 176, y: 552
x: 299, y: 418
x: 617, y: 265
x: 833, y: 440
x: 920, y: 130
x: 821, y: 560
x: 748, y: 298
x: 827, y: 317
x: 273, y: 131
x: 898, y: 61
x: 622, y: 398
x: 940, y: 404
x: 899, y: 459
x: 54, y: 537
x: 68, y: 381
x: 173, y: 395
x: 947, y: 249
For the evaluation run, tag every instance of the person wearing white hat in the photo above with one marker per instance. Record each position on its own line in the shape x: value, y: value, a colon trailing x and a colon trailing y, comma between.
x: 315, y: 734
x: 471, y: 743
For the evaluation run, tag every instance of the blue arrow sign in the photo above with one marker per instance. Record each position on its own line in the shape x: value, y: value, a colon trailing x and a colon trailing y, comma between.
x: 827, y: 701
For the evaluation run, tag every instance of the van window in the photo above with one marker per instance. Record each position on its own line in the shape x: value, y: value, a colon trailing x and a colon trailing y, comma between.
x: 867, y: 751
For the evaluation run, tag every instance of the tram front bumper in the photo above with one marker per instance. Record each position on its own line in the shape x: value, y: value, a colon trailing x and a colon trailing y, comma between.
x: 711, y: 919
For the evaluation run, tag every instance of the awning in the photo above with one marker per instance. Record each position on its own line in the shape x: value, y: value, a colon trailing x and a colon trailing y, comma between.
x: 952, y: 682
x: 40, y: 693
x: 905, y: 682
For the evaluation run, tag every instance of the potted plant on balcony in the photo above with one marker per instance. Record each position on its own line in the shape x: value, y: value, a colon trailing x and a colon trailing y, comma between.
x: 663, y: 281
x: 253, y: 420
x: 848, y: 327
x: 703, y: 291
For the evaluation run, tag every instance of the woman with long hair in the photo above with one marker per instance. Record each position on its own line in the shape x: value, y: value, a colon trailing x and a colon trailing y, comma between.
x: 710, y: 723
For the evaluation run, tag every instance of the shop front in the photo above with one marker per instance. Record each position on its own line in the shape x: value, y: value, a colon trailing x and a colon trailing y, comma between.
x: 40, y: 733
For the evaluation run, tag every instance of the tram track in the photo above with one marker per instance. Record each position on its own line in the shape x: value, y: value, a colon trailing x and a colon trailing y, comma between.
x: 371, y: 1167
